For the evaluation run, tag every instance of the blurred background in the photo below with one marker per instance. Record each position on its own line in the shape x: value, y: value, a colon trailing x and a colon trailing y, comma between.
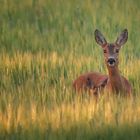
x: 44, y: 46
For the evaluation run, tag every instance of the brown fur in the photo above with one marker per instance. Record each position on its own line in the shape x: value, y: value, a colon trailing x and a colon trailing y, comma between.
x: 117, y: 83
x: 91, y: 82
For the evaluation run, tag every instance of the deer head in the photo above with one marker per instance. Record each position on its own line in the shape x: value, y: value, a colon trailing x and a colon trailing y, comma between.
x: 111, y: 50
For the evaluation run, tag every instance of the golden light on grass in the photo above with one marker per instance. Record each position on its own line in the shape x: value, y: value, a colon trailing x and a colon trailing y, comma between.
x: 45, y: 45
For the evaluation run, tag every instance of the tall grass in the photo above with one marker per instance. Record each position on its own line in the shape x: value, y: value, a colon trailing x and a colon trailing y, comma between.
x: 44, y: 46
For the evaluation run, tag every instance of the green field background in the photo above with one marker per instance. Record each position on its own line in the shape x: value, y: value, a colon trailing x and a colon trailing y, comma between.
x: 44, y: 46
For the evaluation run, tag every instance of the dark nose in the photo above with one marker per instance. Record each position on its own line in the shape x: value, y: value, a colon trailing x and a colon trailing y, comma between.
x: 111, y: 61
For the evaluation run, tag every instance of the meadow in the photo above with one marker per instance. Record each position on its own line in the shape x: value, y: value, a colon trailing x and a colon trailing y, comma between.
x: 44, y: 46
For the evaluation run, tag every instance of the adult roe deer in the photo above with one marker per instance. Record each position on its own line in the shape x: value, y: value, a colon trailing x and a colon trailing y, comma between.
x: 114, y: 82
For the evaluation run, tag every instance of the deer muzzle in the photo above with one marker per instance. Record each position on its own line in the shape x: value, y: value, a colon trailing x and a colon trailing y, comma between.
x: 111, y: 62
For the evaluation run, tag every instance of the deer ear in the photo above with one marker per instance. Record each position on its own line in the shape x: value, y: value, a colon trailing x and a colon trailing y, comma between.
x: 122, y: 38
x: 100, y: 38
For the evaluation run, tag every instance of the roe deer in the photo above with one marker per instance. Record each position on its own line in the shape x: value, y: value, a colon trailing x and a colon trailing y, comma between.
x: 114, y: 82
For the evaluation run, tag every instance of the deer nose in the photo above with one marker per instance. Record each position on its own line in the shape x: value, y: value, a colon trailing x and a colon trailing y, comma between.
x: 111, y: 61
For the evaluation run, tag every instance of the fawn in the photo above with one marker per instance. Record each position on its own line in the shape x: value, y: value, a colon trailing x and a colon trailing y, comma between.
x: 114, y: 82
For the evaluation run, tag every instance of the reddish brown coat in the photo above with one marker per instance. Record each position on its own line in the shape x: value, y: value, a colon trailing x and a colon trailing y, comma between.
x: 91, y: 82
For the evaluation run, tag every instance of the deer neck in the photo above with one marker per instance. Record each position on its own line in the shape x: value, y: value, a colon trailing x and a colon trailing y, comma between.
x: 115, y: 80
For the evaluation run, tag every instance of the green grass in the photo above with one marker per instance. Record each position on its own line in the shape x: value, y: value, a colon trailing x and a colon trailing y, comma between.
x: 44, y: 46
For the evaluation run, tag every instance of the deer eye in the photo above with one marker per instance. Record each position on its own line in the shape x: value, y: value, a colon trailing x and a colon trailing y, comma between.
x: 117, y: 50
x: 105, y: 51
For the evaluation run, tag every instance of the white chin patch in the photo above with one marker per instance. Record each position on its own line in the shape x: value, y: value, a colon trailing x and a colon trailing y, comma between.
x: 111, y: 65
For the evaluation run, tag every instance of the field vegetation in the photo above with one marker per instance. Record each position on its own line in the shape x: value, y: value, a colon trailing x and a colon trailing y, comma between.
x: 44, y: 46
